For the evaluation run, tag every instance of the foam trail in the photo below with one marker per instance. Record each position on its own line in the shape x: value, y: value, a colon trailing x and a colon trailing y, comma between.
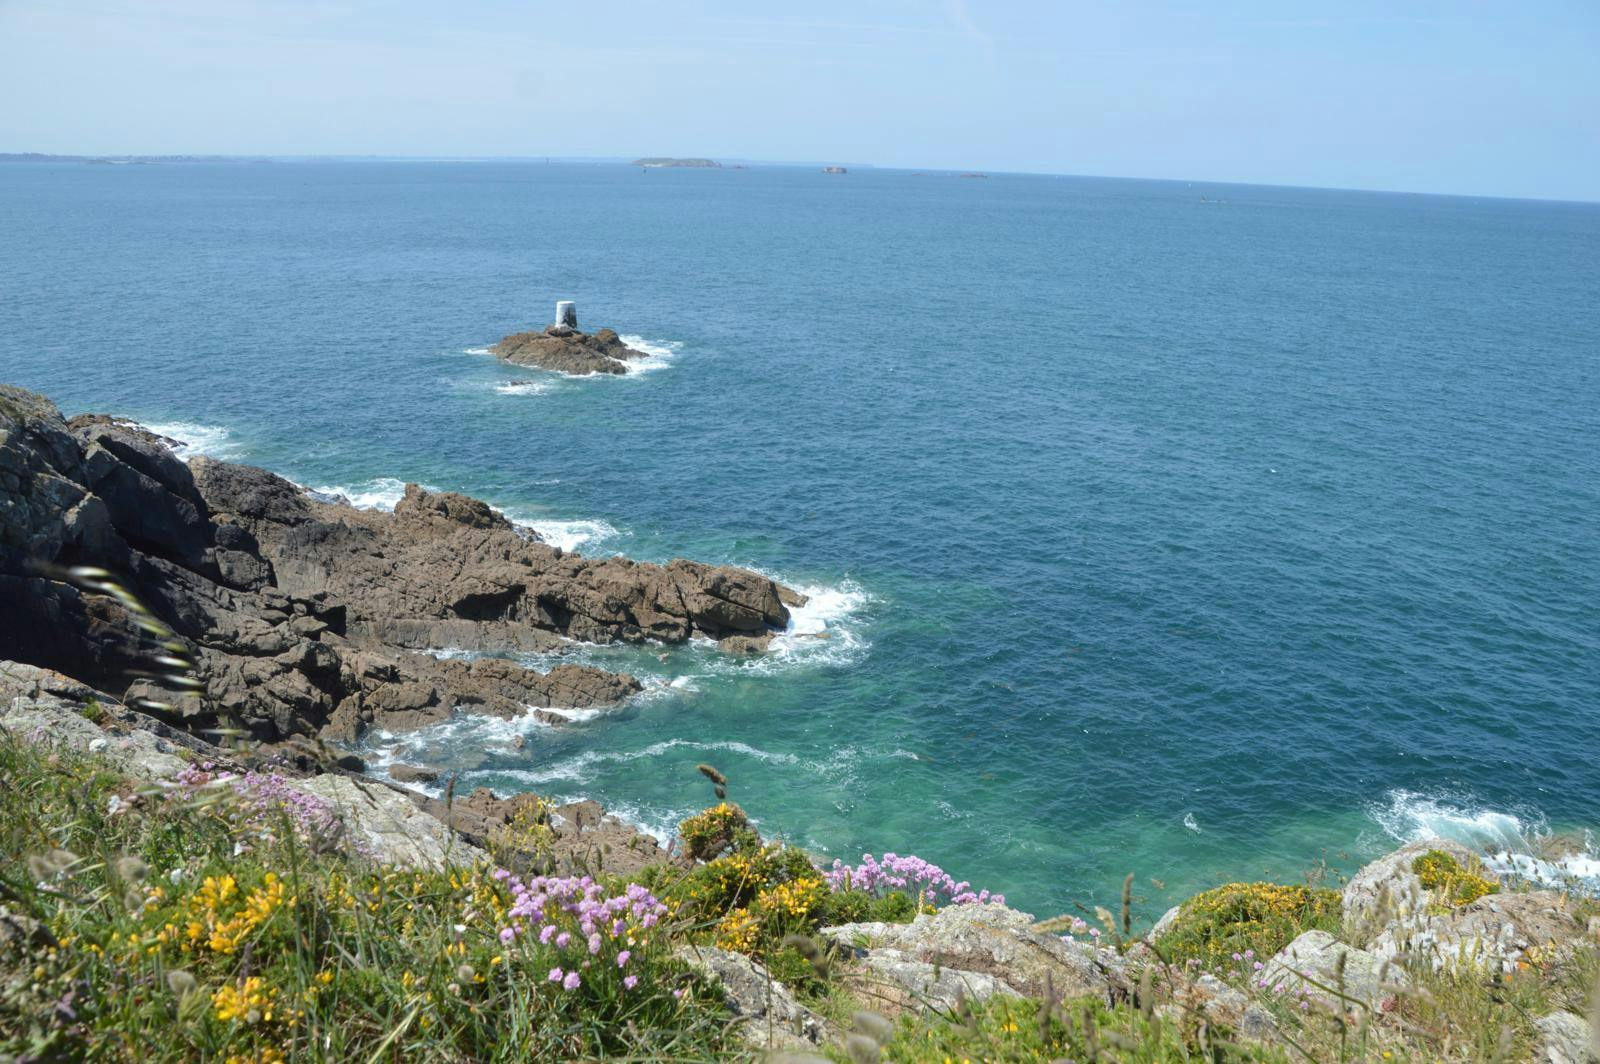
x: 569, y: 535
x: 658, y: 354
x: 380, y: 493
x: 192, y: 439
x: 1514, y: 845
x: 1191, y: 823
x: 474, y: 350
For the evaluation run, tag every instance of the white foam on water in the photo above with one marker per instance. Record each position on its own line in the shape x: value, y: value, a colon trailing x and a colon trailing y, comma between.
x: 659, y: 354
x: 580, y: 767
x: 379, y: 493
x: 825, y: 631
x: 1512, y: 844
x: 569, y: 535
x: 524, y: 387
x: 1191, y: 823
x: 191, y: 439
x: 474, y: 350
x: 575, y: 714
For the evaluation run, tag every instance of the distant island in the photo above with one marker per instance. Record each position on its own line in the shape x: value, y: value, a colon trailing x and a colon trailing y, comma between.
x: 125, y: 160
x: 654, y: 163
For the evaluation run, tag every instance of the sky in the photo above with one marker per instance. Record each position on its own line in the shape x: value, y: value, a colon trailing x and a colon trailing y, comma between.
x: 1482, y: 98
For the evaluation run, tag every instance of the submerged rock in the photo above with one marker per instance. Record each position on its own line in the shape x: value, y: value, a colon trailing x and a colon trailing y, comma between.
x: 566, y: 350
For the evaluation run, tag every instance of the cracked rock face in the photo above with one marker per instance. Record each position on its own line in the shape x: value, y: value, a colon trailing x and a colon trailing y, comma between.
x: 301, y: 615
x: 976, y: 950
x: 768, y: 1015
x: 566, y: 350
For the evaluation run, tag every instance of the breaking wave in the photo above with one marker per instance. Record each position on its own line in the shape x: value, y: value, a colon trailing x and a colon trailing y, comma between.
x: 379, y: 493
x: 189, y: 439
x: 659, y: 354
x: 1519, y: 844
x: 568, y: 535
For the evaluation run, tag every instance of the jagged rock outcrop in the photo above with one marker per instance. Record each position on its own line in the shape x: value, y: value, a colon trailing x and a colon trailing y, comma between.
x: 975, y: 950
x: 1491, y: 934
x: 1324, y: 968
x: 1389, y: 887
x: 566, y: 350
x: 767, y: 1014
x: 299, y: 615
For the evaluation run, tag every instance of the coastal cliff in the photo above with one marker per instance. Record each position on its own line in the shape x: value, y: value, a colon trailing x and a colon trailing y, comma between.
x: 295, y: 615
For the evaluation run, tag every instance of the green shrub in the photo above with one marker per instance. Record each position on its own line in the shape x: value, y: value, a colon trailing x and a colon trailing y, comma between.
x: 1258, y: 917
x: 712, y: 831
x: 1452, y: 884
x: 857, y: 906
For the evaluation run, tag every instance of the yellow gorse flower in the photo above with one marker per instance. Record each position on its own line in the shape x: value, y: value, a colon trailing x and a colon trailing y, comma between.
x: 250, y: 1001
x: 738, y: 931
x: 795, y: 898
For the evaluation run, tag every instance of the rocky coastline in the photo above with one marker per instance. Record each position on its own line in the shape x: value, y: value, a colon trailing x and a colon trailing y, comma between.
x: 213, y: 622
x: 277, y: 614
x: 564, y: 349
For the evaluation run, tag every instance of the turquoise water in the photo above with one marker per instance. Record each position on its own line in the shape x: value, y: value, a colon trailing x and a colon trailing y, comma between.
x: 1187, y: 537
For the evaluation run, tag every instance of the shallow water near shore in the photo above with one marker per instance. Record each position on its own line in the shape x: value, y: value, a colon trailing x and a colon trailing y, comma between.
x: 1201, y: 539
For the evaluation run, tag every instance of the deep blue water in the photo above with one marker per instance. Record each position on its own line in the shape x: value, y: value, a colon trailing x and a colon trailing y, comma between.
x: 1273, y: 511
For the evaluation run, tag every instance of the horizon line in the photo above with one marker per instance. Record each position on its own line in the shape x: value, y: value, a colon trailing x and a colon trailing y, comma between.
x: 627, y: 160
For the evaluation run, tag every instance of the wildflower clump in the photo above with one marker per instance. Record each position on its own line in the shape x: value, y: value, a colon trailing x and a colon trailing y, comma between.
x: 709, y: 833
x: 257, y: 806
x: 1237, y: 917
x: 928, y: 884
x: 575, y: 922
x: 1451, y: 883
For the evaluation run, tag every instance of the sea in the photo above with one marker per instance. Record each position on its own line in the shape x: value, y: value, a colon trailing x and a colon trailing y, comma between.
x: 1200, y: 532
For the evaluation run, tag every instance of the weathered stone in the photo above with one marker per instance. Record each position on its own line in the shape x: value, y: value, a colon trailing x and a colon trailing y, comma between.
x: 990, y: 941
x: 1491, y: 934
x: 1387, y: 888
x: 1332, y: 971
x: 1566, y: 1039
x: 1221, y: 1007
x: 389, y: 827
x: 413, y: 774
x: 768, y: 1014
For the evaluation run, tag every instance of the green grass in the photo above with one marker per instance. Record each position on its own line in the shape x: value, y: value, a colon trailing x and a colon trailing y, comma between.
x: 170, y: 945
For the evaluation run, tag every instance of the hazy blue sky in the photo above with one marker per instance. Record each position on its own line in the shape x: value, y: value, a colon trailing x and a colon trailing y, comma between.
x: 1461, y: 96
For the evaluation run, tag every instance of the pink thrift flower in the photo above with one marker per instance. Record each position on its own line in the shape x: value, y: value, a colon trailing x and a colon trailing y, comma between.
x: 622, y: 958
x: 562, y: 940
x: 507, y: 934
x: 630, y: 982
x: 547, y: 934
x: 555, y: 975
x: 572, y: 981
x: 594, y: 943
